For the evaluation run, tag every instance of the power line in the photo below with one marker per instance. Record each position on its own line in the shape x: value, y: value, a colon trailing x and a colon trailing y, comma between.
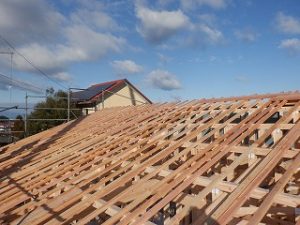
x: 34, y: 66
x: 20, y: 84
x: 8, y: 108
x: 11, y: 68
x: 22, y: 108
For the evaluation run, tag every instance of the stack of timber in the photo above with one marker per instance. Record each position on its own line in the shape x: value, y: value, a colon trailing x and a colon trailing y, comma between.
x: 208, y: 161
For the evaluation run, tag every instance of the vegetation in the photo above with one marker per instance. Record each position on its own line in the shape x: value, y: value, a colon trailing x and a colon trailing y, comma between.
x: 18, y: 128
x: 3, y: 117
x: 51, y: 108
x: 5, y: 131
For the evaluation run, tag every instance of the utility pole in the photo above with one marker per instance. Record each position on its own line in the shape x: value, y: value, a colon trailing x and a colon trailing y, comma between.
x: 69, y: 102
x: 26, y: 108
x: 11, y: 71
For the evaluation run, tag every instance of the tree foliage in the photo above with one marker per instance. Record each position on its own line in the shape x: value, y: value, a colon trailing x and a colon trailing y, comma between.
x: 2, y: 117
x: 51, y: 108
x: 18, y: 127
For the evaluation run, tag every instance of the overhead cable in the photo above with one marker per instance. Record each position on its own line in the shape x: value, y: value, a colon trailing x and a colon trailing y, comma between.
x: 31, y: 63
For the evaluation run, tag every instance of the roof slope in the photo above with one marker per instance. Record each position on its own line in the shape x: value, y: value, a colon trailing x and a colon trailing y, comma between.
x: 233, y: 160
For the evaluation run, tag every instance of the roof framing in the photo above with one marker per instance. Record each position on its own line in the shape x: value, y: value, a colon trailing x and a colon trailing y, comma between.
x: 214, y: 161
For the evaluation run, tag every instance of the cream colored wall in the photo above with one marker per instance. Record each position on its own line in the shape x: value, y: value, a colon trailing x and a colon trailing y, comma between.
x: 140, y: 99
x: 115, y: 100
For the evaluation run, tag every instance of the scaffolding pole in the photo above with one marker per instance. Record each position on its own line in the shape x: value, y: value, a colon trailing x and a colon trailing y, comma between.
x: 26, y: 116
x: 69, y: 95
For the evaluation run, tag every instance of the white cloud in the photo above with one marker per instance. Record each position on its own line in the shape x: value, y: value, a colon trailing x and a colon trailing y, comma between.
x: 88, y: 4
x: 213, y: 35
x: 164, y: 2
x: 40, y: 55
x: 246, y: 35
x: 287, y: 24
x: 95, y: 19
x: 164, y: 80
x: 63, y: 76
x: 126, y: 67
x: 292, y: 45
x: 96, y: 46
x: 206, y: 28
x: 208, y: 18
x: 215, y: 4
x: 52, y: 41
x: 55, y: 59
x: 6, y: 83
x: 29, y: 21
x: 203, y: 35
x: 163, y: 59
x: 157, y: 26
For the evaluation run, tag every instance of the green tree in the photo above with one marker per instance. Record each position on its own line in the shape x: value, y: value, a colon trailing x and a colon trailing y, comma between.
x: 5, y: 131
x: 3, y: 117
x: 51, y: 108
x: 18, y: 127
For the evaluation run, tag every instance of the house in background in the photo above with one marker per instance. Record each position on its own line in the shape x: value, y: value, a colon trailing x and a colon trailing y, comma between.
x: 6, y: 136
x: 108, y: 94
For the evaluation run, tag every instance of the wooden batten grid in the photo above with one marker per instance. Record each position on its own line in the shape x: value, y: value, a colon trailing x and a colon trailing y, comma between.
x: 210, y: 161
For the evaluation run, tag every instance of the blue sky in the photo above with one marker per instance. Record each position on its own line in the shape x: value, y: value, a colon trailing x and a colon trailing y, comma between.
x: 169, y: 49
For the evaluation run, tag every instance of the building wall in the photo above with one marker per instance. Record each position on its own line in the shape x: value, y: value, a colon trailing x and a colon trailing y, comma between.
x: 132, y: 98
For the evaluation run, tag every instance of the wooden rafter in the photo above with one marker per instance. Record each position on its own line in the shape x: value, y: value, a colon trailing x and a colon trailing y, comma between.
x: 214, y: 161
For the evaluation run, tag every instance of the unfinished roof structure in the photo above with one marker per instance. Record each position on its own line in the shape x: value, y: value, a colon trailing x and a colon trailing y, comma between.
x: 208, y: 161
